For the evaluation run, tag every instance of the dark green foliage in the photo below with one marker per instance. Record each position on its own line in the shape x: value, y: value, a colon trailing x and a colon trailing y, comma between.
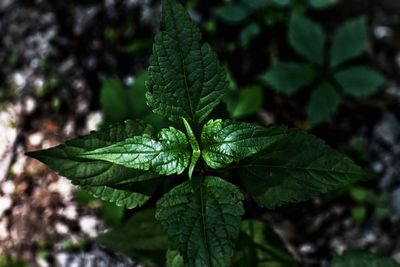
x: 178, y: 55
x: 141, y: 238
x: 248, y: 34
x: 307, y: 38
x: 112, y: 99
x: 295, y: 168
x: 259, y: 245
x: 242, y: 102
x: 349, y: 41
x: 167, y: 154
x: 324, y: 102
x: 359, y: 80
x: 127, y: 163
x: 119, y: 103
x: 202, y: 219
x: 362, y: 259
x: 248, y: 14
x: 289, y: 77
x: 332, y: 79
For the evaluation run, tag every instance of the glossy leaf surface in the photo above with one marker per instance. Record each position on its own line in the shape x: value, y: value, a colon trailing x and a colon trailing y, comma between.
x: 185, y: 77
x: 66, y: 160
x: 296, y: 168
x: 202, y: 219
x: 167, y: 154
x: 225, y: 142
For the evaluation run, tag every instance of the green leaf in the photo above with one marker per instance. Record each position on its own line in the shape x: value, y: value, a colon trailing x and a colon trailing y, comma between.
x: 140, y: 238
x: 113, y: 101
x: 167, y: 154
x: 282, y: 3
x: 202, y: 219
x: 307, y: 38
x: 185, y: 77
x: 119, y: 197
x: 195, y: 148
x: 260, y: 246
x: 249, y: 33
x: 248, y: 102
x: 137, y: 94
x: 324, y: 103
x: 231, y: 13
x: 319, y: 4
x: 127, y: 194
x: 296, y: 168
x: 174, y: 259
x: 362, y: 259
x: 66, y: 159
x: 288, y: 77
x: 119, y: 103
x: 360, y: 81
x: 225, y: 142
x: 111, y: 214
x: 349, y: 41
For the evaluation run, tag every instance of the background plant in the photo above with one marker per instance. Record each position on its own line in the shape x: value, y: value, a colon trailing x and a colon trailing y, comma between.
x: 253, y: 15
x: 327, y: 70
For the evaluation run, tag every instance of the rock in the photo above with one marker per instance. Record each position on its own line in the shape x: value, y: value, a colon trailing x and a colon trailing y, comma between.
x: 4, y: 4
x: 5, y: 204
x: 8, y: 187
x: 388, y: 129
x: 36, y: 139
x: 84, y: 17
x: 89, y: 225
x: 8, y: 119
x: 94, y: 119
x: 396, y: 201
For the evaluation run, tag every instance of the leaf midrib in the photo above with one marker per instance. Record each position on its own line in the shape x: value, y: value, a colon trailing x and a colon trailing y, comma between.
x: 203, y: 214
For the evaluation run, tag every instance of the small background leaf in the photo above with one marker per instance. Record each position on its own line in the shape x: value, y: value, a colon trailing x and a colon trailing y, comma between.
x: 140, y: 238
x: 119, y: 103
x: 360, y: 81
x: 324, y: 102
x: 362, y: 259
x: 248, y: 33
x: 244, y: 102
x: 307, y: 38
x: 114, y: 102
x: 174, y: 259
x: 260, y: 246
x: 321, y: 3
x: 288, y: 77
x: 349, y: 41
x: 231, y: 13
